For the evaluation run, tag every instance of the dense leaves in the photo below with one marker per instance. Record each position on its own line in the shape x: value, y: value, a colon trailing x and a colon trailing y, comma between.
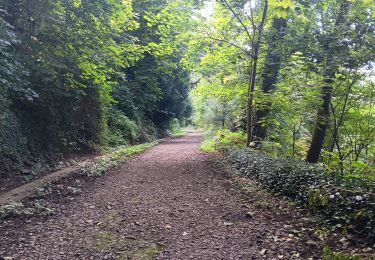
x: 301, y: 87
x: 77, y: 76
x: 345, y: 203
x: 313, y: 94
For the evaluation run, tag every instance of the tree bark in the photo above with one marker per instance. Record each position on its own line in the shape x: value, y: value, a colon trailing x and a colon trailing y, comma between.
x: 253, y: 71
x: 322, y: 116
x: 269, y: 75
x: 330, y: 70
x: 249, y: 110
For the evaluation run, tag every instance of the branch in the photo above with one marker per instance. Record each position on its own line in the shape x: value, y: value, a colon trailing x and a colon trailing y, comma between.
x: 238, y: 18
x: 261, y: 26
x: 252, y: 17
x: 230, y: 43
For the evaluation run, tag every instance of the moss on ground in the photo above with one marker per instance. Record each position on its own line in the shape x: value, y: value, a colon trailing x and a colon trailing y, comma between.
x: 147, y: 253
x: 112, y: 219
x: 128, y: 248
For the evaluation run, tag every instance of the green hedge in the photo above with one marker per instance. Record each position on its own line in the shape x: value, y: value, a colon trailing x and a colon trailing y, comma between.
x: 345, y: 203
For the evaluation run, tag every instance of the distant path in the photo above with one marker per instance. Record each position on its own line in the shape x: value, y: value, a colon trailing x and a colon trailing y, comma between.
x: 171, y: 202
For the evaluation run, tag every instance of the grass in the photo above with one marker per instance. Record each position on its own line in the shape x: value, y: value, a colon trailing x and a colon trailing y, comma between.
x: 127, y: 151
x: 113, y: 158
x: 208, y: 146
x: 179, y: 133
x: 222, y: 140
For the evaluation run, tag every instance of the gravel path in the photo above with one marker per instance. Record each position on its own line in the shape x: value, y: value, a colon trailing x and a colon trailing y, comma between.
x: 171, y: 202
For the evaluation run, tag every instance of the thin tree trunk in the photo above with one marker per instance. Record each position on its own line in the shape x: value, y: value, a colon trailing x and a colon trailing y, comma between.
x: 338, y: 123
x: 249, y: 111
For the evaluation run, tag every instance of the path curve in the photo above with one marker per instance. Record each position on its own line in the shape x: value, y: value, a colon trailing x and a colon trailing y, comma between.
x: 171, y: 202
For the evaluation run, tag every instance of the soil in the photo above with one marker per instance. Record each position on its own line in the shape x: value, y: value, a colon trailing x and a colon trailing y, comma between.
x: 170, y: 202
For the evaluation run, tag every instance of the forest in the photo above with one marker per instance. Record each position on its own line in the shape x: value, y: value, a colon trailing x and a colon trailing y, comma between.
x: 284, y: 90
x: 79, y: 76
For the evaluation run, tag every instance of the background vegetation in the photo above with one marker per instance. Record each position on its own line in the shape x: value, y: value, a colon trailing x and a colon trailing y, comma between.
x: 313, y: 94
x: 294, y: 80
x: 78, y: 76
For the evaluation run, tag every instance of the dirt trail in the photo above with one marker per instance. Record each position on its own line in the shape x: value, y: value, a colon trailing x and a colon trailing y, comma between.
x: 171, y: 202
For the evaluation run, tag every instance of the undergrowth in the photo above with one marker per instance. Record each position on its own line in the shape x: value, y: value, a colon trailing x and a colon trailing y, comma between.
x: 16, y: 209
x: 343, y: 203
x: 175, y: 128
x: 113, y: 158
x: 329, y: 254
x: 222, y: 140
x: 38, y: 206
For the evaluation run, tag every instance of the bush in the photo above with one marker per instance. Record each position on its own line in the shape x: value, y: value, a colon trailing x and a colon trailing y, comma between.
x: 175, y: 128
x: 13, y: 148
x: 123, y: 131
x: 227, y: 139
x: 343, y: 202
x: 222, y: 140
x: 328, y: 254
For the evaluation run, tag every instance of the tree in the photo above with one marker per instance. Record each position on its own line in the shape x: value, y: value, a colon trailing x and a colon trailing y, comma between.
x: 270, y: 74
x: 339, y: 44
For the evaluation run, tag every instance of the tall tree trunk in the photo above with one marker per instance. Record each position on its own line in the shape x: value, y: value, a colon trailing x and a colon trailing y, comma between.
x: 322, y: 116
x: 327, y: 88
x: 270, y: 74
x: 250, y: 98
x: 253, y: 71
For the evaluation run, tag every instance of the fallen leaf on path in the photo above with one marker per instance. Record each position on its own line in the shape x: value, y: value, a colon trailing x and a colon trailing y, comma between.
x: 249, y: 214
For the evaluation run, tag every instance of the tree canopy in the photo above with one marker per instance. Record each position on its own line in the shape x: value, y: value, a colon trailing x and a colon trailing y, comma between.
x: 78, y: 75
x: 307, y: 92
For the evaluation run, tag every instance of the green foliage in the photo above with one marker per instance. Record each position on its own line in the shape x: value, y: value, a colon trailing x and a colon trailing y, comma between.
x: 112, y: 159
x: 344, y: 203
x: 310, y: 50
x: 12, y: 82
x: 18, y: 209
x: 227, y: 139
x: 208, y: 143
x: 13, y: 210
x: 222, y: 140
x: 328, y: 254
x: 123, y: 131
x: 175, y: 128
x: 77, y: 76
